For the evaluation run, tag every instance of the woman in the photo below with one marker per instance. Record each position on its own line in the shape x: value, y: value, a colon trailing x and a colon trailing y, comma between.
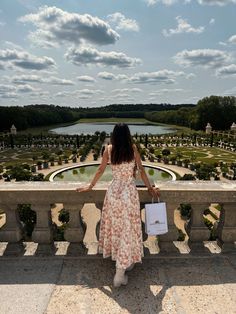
x: 120, y: 229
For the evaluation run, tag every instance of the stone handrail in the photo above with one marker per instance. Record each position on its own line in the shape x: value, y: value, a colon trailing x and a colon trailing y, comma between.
x: 41, y: 195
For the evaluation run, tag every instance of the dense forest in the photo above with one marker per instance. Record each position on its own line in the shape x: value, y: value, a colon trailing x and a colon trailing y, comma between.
x: 219, y: 111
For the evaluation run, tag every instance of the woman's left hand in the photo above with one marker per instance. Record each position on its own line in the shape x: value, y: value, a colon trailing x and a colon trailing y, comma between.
x: 154, y: 192
x: 84, y: 189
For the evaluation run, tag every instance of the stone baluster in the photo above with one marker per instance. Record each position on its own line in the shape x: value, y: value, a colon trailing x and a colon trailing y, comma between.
x: 166, y: 240
x: 74, y: 232
x: 11, y: 232
x: 196, y: 228
x: 228, y: 232
x: 99, y: 206
x: 43, y: 231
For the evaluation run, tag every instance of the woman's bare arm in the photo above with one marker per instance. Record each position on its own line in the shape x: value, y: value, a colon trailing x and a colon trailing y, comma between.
x: 152, y: 190
x: 98, y: 173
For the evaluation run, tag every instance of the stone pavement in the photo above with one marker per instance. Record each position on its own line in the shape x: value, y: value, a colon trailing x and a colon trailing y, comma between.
x: 82, y: 285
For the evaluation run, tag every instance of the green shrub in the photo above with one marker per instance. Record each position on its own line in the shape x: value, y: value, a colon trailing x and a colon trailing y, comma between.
x: 28, y: 217
x: 64, y: 216
x: 188, y: 177
x: 181, y: 236
x: 185, y: 210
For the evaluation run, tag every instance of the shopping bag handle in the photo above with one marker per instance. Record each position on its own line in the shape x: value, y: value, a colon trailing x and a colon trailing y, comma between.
x: 158, y: 199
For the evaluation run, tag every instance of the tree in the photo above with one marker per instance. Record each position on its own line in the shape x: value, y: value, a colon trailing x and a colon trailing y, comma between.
x: 219, y: 111
x: 205, y: 171
x: 165, y: 152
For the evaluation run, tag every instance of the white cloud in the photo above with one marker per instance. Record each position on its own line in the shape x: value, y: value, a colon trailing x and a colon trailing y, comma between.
x: 229, y: 70
x: 80, y: 93
x: 202, y: 57
x: 151, y: 2
x: 110, y: 76
x: 23, y: 79
x: 190, y: 76
x: 232, y: 39
x: 182, y: 27
x: 216, y: 2
x: 122, y: 77
x: 26, y: 88
x: 166, y: 91
x: 4, y: 88
x: 85, y: 78
x: 40, y: 94
x: 122, y: 23
x: 10, y: 91
x: 85, y: 91
x: 55, y: 26
x: 106, y: 76
x: 88, y: 56
x: 162, y: 76
x: 57, y: 81
x: 63, y: 94
x: 166, y: 2
x: 84, y: 96
x: 126, y: 90
x: 212, y: 21
x: 23, y: 59
x: 201, y: 2
x: 222, y: 43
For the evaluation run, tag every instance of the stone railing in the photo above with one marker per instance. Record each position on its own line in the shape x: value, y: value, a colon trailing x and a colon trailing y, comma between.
x: 42, y: 195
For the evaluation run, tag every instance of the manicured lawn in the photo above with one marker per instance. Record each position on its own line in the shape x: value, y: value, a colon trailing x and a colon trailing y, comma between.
x: 203, y: 154
x: 19, y: 156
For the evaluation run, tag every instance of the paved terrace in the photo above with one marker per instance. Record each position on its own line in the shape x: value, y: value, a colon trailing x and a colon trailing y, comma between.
x: 65, y: 277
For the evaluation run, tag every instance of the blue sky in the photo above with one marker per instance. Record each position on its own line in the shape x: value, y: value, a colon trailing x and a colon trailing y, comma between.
x: 98, y: 52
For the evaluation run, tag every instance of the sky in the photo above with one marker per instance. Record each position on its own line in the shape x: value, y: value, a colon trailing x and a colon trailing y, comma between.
x: 93, y: 53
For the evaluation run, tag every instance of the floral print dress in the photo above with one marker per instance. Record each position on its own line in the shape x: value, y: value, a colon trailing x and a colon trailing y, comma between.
x: 120, y: 229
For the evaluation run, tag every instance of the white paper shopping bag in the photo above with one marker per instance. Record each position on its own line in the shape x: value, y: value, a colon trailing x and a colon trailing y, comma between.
x: 156, y: 218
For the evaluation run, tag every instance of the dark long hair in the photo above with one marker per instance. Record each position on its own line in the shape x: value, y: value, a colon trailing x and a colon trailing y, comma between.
x: 121, y: 140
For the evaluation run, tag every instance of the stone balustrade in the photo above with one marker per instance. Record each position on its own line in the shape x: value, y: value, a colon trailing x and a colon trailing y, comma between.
x: 42, y: 195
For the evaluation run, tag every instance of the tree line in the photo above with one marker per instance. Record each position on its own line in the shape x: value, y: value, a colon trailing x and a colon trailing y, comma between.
x: 220, y: 111
x: 42, y: 114
x: 34, y: 116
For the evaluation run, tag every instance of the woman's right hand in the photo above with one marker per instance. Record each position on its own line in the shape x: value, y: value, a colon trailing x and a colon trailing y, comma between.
x: 84, y: 189
x: 154, y: 192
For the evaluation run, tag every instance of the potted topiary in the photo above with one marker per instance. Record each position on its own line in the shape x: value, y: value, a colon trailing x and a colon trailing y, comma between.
x: 39, y: 164
x: 59, y: 161
x: 52, y: 159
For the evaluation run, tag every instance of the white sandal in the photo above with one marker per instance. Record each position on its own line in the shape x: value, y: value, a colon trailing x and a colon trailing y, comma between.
x: 120, y: 278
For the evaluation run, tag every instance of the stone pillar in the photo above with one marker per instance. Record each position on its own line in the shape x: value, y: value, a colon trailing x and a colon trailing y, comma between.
x: 228, y: 232
x: 233, y: 127
x: 196, y: 228
x: 166, y: 240
x: 208, y: 128
x: 42, y: 232
x: 12, y: 230
x: 74, y: 231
